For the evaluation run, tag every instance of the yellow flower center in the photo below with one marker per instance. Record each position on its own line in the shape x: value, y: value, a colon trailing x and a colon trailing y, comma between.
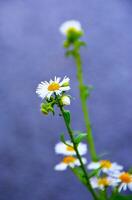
x: 126, y: 177
x: 103, y: 181
x: 105, y: 164
x: 69, y: 159
x: 53, y: 86
x: 70, y: 148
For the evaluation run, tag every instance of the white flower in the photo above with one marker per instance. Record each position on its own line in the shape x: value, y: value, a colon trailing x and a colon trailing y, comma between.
x: 105, y: 166
x: 103, y: 182
x: 64, y: 149
x: 69, y: 161
x: 70, y: 25
x: 46, y: 89
x: 65, y: 100
x: 125, y: 181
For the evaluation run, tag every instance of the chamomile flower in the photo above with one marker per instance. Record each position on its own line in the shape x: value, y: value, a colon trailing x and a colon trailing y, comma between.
x: 125, y: 181
x: 103, y: 182
x: 46, y: 89
x: 105, y: 166
x: 71, y: 25
x: 64, y: 149
x: 69, y: 161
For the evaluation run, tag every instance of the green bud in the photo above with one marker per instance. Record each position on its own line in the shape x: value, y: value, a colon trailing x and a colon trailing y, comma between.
x: 65, y: 84
x: 44, y: 111
x: 46, y: 108
x: 50, y: 108
x: 66, y: 44
x: 73, y: 35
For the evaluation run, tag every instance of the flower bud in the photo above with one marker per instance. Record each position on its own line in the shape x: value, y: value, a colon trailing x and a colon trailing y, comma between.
x: 46, y: 108
x: 65, y: 84
x: 44, y: 111
x: 65, y: 100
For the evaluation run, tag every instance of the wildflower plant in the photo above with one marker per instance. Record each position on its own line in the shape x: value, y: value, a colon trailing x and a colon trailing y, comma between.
x: 105, y: 180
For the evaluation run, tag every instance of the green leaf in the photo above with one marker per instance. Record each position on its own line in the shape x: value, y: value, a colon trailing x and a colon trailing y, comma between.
x: 78, y: 44
x: 80, y: 174
x: 66, y: 44
x: 85, y: 92
x: 62, y: 138
x: 130, y: 170
x: 80, y: 137
x: 94, y: 173
x: 121, y: 197
x: 67, y: 116
x: 69, y: 53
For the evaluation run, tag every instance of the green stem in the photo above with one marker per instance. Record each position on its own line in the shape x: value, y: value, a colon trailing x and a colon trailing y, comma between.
x: 105, y: 194
x: 84, y: 105
x: 77, y: 152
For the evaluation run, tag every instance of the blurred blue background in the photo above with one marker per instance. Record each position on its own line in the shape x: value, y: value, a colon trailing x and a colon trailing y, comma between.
x: 31, y: 51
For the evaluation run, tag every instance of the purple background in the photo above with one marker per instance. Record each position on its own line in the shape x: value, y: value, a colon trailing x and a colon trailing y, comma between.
x: 30, y: 51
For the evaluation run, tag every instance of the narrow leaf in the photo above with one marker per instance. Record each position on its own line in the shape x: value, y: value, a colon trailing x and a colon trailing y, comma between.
x: 80, y: 137
x: 80, y: 174
x: 62, y: 138
x: 67, y: 116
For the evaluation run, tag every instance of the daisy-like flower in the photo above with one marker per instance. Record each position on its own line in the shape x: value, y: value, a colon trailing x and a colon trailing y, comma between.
x: 103, y: 182
x: 46, y: 89
x: 105, y: 166
x: 71, y: 25
x: 68, y: 161
x: 125, y: 181
x: 64, y: 149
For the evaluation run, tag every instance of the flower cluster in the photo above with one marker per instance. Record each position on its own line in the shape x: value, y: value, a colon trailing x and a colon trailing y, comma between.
x: 107, y: 173
x: 96, y: 176
x: 70, y: 158
x: 110, y: 174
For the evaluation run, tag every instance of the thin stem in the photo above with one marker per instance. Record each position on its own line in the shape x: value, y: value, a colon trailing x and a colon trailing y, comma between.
x: 76, y: 150
x: 84, y: 105
x: 103, y: 194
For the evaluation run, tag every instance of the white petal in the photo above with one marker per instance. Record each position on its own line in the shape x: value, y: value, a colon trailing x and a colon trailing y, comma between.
x: 94, y: 165
x: 113, y: 181
x: 63, y: 89
x: 117, y: 167
x: 94, y: 182
x: 82, y: 148
x: 130, y: 186
x: 101, y: 187
x: 42, y: 90
x: 51, y: 81
x: 65, y: 80
x: 58, y: 79
x: 70, y: 24
x: 49, y: 94
x: 72, y: 165
x: 61, y: 148
x: 60, y: 167
x: 121, y: 187
x: 84, y: 160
